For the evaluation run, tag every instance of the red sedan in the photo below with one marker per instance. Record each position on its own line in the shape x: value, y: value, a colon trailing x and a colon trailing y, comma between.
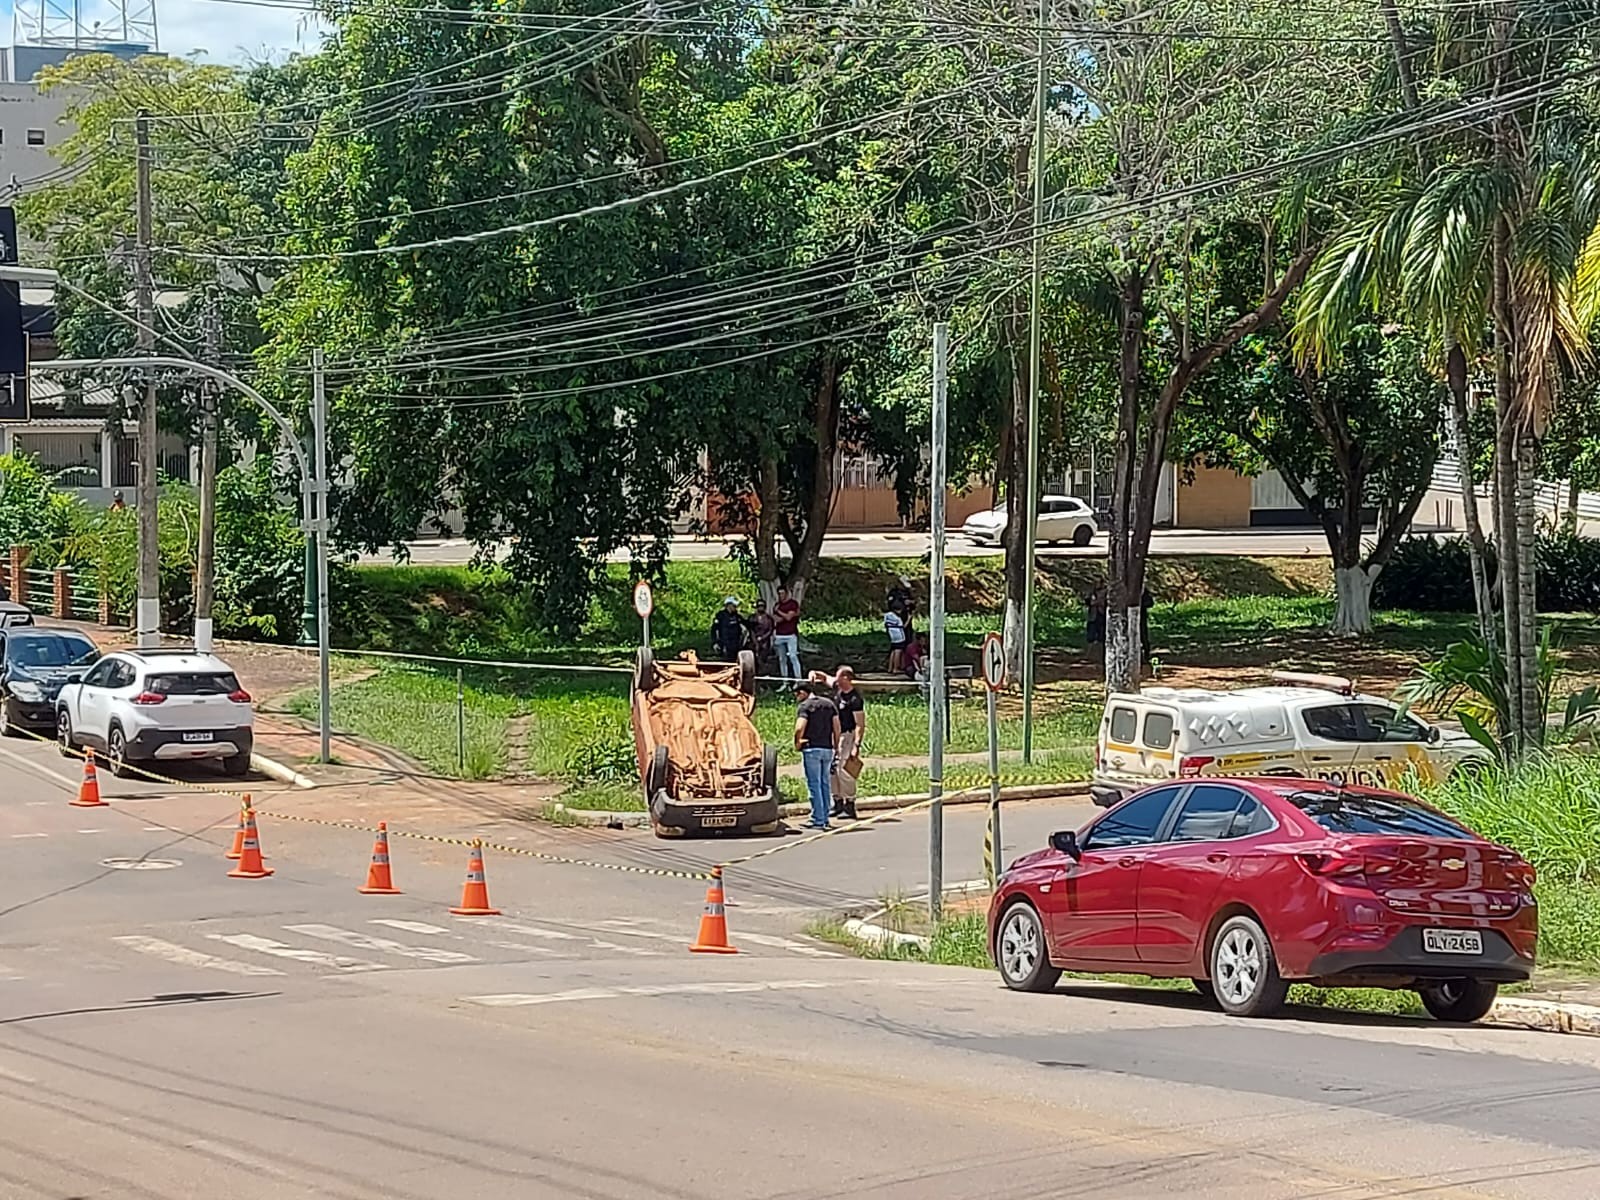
x: 1244, y: 885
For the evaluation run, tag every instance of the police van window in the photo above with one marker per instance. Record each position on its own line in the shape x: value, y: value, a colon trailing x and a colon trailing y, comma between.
x: 1335, y: 722
x: 1385, y: 724
x: 1158, y: 730
x: 1124, y: 724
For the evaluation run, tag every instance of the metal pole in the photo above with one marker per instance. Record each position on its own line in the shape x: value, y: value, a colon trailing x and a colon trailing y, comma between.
x: 461, y: 726
x: 992, y: 857
x: 206, y: 556
x: 147, y: 613
x: 319, y: 449
x: 936, y: 669
x: 1031, y: 500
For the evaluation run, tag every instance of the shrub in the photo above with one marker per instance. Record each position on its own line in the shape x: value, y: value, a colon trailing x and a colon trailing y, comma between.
x: 1428, y: 575
x: 605, y: 756
x: 1569, y: 573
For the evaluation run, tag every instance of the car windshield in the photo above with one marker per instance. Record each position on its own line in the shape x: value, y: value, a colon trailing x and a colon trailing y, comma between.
x: 48, y: 650
x: 1364, y: 812
x: 194, y: 683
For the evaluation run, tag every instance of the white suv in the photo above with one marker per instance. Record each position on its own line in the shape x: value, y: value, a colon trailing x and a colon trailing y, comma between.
x: 158, y: 704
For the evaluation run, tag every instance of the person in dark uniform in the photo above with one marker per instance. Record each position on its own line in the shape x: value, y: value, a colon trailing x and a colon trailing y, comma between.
x: 728, y: 629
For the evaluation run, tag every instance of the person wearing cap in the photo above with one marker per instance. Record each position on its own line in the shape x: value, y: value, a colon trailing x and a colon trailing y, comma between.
x: 816, y: 736
x: 728, y: 630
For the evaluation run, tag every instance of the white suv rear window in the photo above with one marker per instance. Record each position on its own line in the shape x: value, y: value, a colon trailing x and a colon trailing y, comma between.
x: 193, y: 683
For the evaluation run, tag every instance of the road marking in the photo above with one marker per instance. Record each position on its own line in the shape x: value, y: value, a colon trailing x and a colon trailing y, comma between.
x: 29, y: 835
x: 744, y: 935
x: 333, y: 962
x: 68, y: 784
x: 16, y: 1076
x: 703, y: 988
x: 91, y: 831
x: 411, y: 926
x: 186, y: 957
x: 362, y: 941
x: 557, y: 935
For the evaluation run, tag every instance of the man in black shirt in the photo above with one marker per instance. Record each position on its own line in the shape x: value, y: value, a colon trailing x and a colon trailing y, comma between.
x: 852, y: 732
x: 728, y: 630
x: 816, y: 736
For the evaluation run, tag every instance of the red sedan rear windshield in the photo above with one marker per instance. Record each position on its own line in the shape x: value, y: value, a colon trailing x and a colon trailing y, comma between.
x: 1392, y: 815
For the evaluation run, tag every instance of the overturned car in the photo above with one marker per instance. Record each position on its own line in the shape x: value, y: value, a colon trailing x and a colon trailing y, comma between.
x: 704, y: 766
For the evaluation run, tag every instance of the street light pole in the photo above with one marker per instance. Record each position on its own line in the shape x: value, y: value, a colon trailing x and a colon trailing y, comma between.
x: 937, y: 681
x: 319, y: 442
x: 1035, y: 338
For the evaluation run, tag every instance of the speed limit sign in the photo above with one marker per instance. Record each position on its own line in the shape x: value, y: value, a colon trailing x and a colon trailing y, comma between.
x: 644, y: 600
x: 994, y: 662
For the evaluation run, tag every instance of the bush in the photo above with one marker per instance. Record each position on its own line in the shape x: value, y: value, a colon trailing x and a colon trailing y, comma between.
x: 1428, y: 575
x: 32, y: 512
x: 606, y: 756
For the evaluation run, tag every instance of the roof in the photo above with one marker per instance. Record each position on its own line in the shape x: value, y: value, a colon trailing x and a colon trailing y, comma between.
x: 177, y: 659
x: 1234, y: 698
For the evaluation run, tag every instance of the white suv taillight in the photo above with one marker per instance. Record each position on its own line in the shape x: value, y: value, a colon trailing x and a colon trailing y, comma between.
x: 239, y: 697
x: 1193, y: 764
x: 149, y: 698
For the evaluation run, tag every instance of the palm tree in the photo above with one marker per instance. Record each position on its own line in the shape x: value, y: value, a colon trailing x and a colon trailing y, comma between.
x: 1488, y: 242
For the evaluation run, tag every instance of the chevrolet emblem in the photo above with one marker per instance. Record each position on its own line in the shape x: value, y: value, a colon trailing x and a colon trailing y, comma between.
x: 1453, y: 864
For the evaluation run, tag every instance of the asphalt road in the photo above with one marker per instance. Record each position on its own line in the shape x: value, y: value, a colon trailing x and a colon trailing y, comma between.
x: 170, y: 1033
x: 1270, y: 542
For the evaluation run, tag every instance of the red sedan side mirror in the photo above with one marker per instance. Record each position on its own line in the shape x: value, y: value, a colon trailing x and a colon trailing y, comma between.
x: 1066, y: 841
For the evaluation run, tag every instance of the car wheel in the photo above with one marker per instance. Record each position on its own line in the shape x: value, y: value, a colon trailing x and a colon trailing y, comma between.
x: 1020, y: 952
x: 117, y: 753
x: 747, y: 672
x: 656, y: 777
x: 644, y: 676
x: 1461, y: 1001
x: 769, y: 770
x: 236, y: 765
x: 1204, y: 987
x: 7, y: 725
x: 1244, y: 971
x: 64, y: 734
x: 1082, y: 535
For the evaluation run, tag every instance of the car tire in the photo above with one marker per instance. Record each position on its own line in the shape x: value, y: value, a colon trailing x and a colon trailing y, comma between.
x: 1459, y: 1001
x: 1020, y: 951
x: 117, y: 753
x: 1203, y: 986
x: 236, y: 766
x: 1244, y: 970
x: 8, y: 724
x: 64, y: 734
x: 645, y: 677
x: 656, y: 777
x: 769, y: 770
x: 1082, y: 535
x: 747, y: 672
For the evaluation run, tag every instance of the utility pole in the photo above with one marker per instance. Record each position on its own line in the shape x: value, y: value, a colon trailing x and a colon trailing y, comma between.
x: 322, y: 529
x: 147, y: 614
x: 205, y: 581
x: 937, y: 682
x: 1035, y: 355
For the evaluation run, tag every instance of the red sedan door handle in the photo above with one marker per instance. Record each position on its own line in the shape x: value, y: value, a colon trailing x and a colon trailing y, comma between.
x: 1127, y: 862
x: 1217, y: 857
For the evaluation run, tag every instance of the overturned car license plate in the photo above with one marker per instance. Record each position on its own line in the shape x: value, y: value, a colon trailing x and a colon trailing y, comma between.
x: 1452, y: 941
x: 727, y: 822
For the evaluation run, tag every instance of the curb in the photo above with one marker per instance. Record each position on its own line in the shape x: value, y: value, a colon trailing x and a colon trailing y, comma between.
x: 276, y: 770
x: 1513, y: 1012
x: 634, y: 819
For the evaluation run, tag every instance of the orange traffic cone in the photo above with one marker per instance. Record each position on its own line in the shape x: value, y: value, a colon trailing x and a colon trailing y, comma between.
x: 713, y: 937
x: 238, y: 834
x: 475, y: 892
x: 250, y: 864
x: 89, y: 789
x: 379, y: 881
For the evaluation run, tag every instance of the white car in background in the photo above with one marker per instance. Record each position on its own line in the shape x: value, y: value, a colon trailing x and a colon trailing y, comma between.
x: 158, y: 705
x: 1061, y: 519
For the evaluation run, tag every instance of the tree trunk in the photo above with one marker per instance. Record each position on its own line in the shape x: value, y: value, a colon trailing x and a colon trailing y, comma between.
x: 1122, y: 650
x: 1461, y: 434
x: 770, y: 499
x: 1527, y: 584
x: 825, y: 451
x: 1352, y: 590
x: 1569, y: 519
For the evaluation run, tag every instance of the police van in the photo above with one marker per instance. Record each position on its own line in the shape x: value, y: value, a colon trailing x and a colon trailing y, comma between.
x: 1313, y: 726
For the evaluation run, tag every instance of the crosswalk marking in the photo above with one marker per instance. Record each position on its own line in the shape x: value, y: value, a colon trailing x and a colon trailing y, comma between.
x: 186, y: 957
x: 411, y: 926
x: 701, y: 988
x: 362, y: 941
x: 557, y: 935
x: 262, y: 945
x: 29, y: 835
x: 744, y: 935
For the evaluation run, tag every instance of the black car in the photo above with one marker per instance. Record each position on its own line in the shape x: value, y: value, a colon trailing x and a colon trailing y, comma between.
x: 34, y: 663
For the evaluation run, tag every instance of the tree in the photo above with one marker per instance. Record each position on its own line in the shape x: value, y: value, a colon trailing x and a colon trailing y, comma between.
x: 1361, y: 437
x: 1487, y: 243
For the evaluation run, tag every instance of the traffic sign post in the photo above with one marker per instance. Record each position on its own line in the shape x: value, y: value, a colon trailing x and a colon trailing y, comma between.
x: 644, y: 603
x: 994, y: 678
